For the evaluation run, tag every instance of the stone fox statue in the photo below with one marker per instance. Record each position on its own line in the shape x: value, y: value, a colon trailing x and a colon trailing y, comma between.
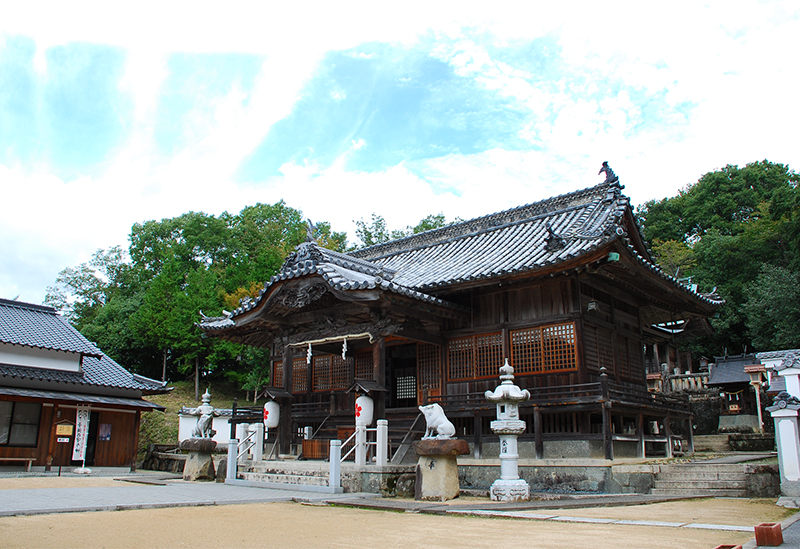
x: 436, y: 422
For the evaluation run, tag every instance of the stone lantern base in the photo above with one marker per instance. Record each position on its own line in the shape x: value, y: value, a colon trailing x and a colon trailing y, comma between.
x: 510, y: 490
x: 200, y: 463
x: 437, y: 468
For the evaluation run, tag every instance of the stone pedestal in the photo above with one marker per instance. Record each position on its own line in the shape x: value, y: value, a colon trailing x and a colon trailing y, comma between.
x: 437, y: 468
x: 199, y: 463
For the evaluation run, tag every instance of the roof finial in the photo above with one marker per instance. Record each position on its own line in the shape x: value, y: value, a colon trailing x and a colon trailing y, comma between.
x: 310, y: 228
x: 611, y: 177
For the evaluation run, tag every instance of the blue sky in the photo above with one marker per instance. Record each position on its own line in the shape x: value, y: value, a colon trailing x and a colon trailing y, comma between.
x: 109, y: 118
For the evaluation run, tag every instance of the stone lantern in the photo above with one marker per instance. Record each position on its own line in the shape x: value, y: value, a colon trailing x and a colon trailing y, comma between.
x: 507, y: 396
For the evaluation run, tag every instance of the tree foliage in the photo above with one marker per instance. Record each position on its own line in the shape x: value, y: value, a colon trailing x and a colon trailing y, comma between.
x: 733, y: 231
x: 376, y: 231
x: 141, y: 307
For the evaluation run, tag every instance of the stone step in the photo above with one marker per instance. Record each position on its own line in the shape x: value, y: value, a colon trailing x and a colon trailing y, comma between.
x: 711, y: 443
x: 689, y: 476
x: 719, y: 493
x: 703, y: 485
x: 305, y: 480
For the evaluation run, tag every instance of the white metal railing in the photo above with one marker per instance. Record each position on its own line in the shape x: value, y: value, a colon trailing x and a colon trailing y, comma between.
x: 362, y: 444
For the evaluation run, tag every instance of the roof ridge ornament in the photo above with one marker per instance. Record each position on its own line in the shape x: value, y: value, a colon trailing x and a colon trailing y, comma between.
x: 611, y: 177
x: 554, y: 241
x: 310, y: 230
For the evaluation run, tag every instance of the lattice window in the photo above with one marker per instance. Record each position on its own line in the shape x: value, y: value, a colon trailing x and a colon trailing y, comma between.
x: 558, y: 348
x: 340, y: 372
x: 526, y: 351
x: 428, y: 366
x: 406, y: 387
x: 475, y: 356
x: 277, y: 373
x: 299, y: 375
x: 321, y: 373
x: 459, y: 358
x: 544, y: 349
x: 364, y: 369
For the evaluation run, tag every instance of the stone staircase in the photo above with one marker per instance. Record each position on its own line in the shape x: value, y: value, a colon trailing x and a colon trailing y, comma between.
x: 702, y: 479
x: 307, y: 475
x: 712, y: 443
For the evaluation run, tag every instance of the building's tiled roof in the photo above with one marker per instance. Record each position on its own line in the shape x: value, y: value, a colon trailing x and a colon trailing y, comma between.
x: 82, y: 398
x: 340, y: 271
x: 771, y: 355
x: 42, y: 327
x: 728, y: 370
x: 507, y: 242
x: 524, y: 239
x: 99, y: 372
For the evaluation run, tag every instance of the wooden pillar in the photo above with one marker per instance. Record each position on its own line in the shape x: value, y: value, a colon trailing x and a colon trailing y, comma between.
x: 379, y: 375
x: 537, y: 433
x: 478, y: 434
x: 285, y: 423
x: 608, y: 442
x: 640, y: 451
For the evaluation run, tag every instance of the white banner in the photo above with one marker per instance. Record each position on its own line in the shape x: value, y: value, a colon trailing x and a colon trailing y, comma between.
x: 81, y: 433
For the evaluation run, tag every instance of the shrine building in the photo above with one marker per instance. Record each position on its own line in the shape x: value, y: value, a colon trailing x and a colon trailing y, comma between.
x: 565, y: 289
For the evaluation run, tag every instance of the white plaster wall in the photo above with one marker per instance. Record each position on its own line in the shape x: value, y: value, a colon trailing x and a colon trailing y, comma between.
x: 39, y: 358
x: 220, y: 425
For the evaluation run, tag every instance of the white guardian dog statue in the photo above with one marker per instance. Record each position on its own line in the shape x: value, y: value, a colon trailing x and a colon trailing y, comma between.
x: 436, y: 422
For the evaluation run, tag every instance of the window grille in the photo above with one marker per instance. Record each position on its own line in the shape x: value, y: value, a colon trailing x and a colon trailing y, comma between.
x: 544, y: 349
x: 299, y: 375
x: 364, y: 369
x: 340, y: 372
x: 428, y: 364
x: 475, y: 356
x: 277, y: 373
x: 406, y: 387
x: 321, y: 374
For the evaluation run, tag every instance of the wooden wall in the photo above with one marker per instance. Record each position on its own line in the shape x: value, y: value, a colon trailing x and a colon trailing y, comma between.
x: 118, y: 451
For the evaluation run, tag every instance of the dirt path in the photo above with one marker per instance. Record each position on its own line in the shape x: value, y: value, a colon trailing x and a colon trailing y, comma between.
x: 293, y: 525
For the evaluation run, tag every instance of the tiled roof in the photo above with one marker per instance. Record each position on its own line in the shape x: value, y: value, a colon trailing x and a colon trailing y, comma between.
x: 728, y: 370
x: 81, y: 398
x: 524, y: 239
x: 340, y: 271
x: 99, y: 372
x: 42, y: 327
x: 768, y: 355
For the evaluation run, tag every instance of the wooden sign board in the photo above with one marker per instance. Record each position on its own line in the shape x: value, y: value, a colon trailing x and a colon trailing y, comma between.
x: 65, y: 429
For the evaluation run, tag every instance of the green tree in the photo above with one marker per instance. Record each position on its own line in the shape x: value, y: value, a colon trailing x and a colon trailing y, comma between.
x: 721, y: 231
x: 771, y: 311
x: 376, y: 232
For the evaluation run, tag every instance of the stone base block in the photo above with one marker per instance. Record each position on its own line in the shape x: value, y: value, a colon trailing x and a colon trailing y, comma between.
x: 510, y: 490
x: 437, y: 478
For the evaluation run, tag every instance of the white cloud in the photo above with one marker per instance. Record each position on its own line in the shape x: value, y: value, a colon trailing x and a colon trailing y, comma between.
x: 720, y: 80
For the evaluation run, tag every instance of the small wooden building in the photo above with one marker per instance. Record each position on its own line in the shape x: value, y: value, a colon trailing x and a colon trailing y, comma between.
x: 565, y: 289
x: 48, y: 372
